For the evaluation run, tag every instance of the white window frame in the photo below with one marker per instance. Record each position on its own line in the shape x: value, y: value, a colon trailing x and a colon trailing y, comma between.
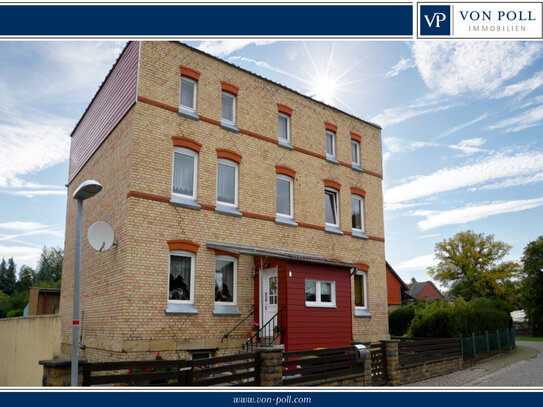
x: 192, y: 256
x: 231, y: 163
x: 194, y: 154
x: 336, y: 209
x: 291, y: 197
x: 333, y: 154
x: 318, y: 303
x: 194, y: 93
x: 235, y: 279
x: 233, y: 97
x: 360, y: 199
x: 356, y: 144
x: 364, y: 276
x: 286, y: 116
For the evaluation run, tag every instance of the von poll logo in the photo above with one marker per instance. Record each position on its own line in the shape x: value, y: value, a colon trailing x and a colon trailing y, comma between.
x: 435, y: 20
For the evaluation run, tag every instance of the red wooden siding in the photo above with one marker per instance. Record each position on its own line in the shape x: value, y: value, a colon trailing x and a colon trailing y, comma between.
x: 114, y: 98
x: 429, y: 291
x: 308, y: 327
x: 394, y: 289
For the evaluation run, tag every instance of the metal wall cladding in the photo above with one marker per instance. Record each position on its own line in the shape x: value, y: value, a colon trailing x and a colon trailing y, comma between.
x: 114, y: 98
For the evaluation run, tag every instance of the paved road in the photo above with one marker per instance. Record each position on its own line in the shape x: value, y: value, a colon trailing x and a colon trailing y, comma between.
x: 522, y: 367
x: 526, y: 373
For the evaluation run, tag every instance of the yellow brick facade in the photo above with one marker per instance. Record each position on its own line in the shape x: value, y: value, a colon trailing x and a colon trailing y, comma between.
x: 124, y: 291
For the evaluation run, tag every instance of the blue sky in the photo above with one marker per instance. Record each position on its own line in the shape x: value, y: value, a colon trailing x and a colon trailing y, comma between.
x: 461, y: 131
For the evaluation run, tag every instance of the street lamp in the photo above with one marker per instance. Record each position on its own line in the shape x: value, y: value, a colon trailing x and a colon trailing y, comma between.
x: 85, y: 191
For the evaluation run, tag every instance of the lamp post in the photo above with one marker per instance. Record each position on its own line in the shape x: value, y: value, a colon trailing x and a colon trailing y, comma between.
x: 85, y: 191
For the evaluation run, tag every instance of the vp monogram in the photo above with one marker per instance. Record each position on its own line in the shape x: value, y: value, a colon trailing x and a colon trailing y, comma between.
x: 437, y: 18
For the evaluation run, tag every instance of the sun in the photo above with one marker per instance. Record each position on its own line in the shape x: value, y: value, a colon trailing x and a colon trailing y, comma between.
x: 324, y: 88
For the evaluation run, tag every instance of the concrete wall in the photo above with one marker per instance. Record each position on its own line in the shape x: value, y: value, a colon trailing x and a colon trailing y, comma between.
x: 23, y: 342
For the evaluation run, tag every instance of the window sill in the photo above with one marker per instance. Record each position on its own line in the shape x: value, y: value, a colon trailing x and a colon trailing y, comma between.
x: 333, y: 229
x: 321, y: 305
x: 228, y: 210
x: 331, y: 159
x: 285, y: 221
x: 285, y: 144
x: 181, y: 309
x: 188, y: 113
x: 223, y: 309
x: 362, y: 312
x: 357, y: 167
x: 360, y: 235
x: 184, y: 202
x: 229, y: 126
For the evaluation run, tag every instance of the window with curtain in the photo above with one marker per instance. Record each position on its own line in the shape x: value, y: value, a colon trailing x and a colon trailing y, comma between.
x: 227, y: 180
x: 331, y: 206
x: 330, y: 144
x: 355, y: 152
x: 284, y: 127
x: 185, y: 164
x: 360, y: 300
x: 188, y: 93
x: 320, y: 293
x: 228, y: 107
x: 357, y: 208
x: 225, y: 279
x: 284, y: 195
x: 181, y: 277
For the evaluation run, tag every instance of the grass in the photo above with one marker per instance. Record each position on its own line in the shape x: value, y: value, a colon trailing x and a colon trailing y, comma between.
x: 537, y: 339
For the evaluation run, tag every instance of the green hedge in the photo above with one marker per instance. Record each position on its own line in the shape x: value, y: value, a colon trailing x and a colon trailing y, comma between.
x: 15, y: 313
x: 399, y: 320
x: 446, y: 320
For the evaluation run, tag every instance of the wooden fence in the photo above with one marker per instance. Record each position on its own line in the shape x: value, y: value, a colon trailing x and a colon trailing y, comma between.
x: 235, y: 370
x: 417, y: 352
x: 301, y: 367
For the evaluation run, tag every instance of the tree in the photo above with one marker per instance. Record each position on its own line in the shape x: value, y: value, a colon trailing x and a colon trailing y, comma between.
x: 532, y: 285
x: 471, y: 265
x: 7, y: 276
x: 27, y: 277
x: 50, y: 265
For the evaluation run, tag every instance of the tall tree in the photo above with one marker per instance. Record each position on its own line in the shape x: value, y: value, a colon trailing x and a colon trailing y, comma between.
x: 532, y: 285
x: 11, y: 277
x: 50, y: 265
x: 3, y: 276
x: 471, y: 265
x: 26, y: 278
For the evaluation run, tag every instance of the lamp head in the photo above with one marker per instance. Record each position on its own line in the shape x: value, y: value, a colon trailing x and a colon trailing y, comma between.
x: 87, y: 190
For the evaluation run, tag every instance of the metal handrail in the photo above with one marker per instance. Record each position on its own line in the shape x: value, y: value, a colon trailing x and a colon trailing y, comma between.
x: 272, y: 329
x: 225, y: 336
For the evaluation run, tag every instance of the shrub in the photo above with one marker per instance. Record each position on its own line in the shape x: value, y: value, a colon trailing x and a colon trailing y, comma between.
x: 15, y: 313
x: 445, y: 320
x: 399, y: 320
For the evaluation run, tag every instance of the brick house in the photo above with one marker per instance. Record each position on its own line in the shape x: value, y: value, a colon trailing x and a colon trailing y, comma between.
x: 425, y: 290
x: 397, y: 290
x: 43, y: 301
x: 228, y: 193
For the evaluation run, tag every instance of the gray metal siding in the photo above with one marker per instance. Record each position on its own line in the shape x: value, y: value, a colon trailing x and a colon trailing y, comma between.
x: 114, y: 98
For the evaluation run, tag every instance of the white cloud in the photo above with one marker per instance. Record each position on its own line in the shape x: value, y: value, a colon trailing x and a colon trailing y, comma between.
x: 435, y: 219
x: 400, y: 114
x: 462, y: 126
x: 402, y: 65
x: 397, y: 145
x: 222, y: 48
x: 512, y: 182
x: 21, y: 225
x: 31, y: 193
x: 419, y: 262
x: 469, y: 146
x: 475, y: 67
x: 22, y: 255
x: 529, y: 118
x: 448, y: 179
x: 522, y: 88
x: 429, y: 235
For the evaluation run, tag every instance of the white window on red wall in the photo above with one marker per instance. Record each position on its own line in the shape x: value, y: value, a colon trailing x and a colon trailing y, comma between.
x: 320, y: 293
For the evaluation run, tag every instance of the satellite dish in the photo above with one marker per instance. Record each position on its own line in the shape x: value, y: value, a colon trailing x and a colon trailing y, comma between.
x: 101, y: 236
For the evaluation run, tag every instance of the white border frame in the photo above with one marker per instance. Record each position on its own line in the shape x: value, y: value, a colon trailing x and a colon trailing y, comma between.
x: 364, y: 276
x: 235, y: 278
x: 286, y: 116
x: 357, y: 143
x: 291, y: 197
x: 194, y: 154
x: 318, y: 303
x: 360, y: 199
x: 194, y: 93
x: 336, y: 209
x: 333, y: 155
x: 192, y: 256
x: 234, y: 164
x: 233, y: 97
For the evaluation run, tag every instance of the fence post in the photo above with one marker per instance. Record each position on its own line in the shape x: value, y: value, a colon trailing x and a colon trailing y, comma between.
x: 474, y: 347
x: 498, y: 335
x: 487, y: 344
x: 462, y: 346
x: 271, y: 366
x: 392, y: 361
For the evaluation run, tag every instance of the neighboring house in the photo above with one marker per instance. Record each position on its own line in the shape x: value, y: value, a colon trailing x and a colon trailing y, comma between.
x: 43, y: 301
x: 397, y: 290
x: 228, y: 194
x: 425, y: 289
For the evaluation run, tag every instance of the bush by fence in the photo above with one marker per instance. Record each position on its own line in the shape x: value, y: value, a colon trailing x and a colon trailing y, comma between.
x: 446, y: 320
x: 400, y: 319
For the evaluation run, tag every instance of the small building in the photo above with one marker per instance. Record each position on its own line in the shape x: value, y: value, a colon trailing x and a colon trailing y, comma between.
x: 397, y: 290
x: 43, y: 301
x: 425, y: 290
